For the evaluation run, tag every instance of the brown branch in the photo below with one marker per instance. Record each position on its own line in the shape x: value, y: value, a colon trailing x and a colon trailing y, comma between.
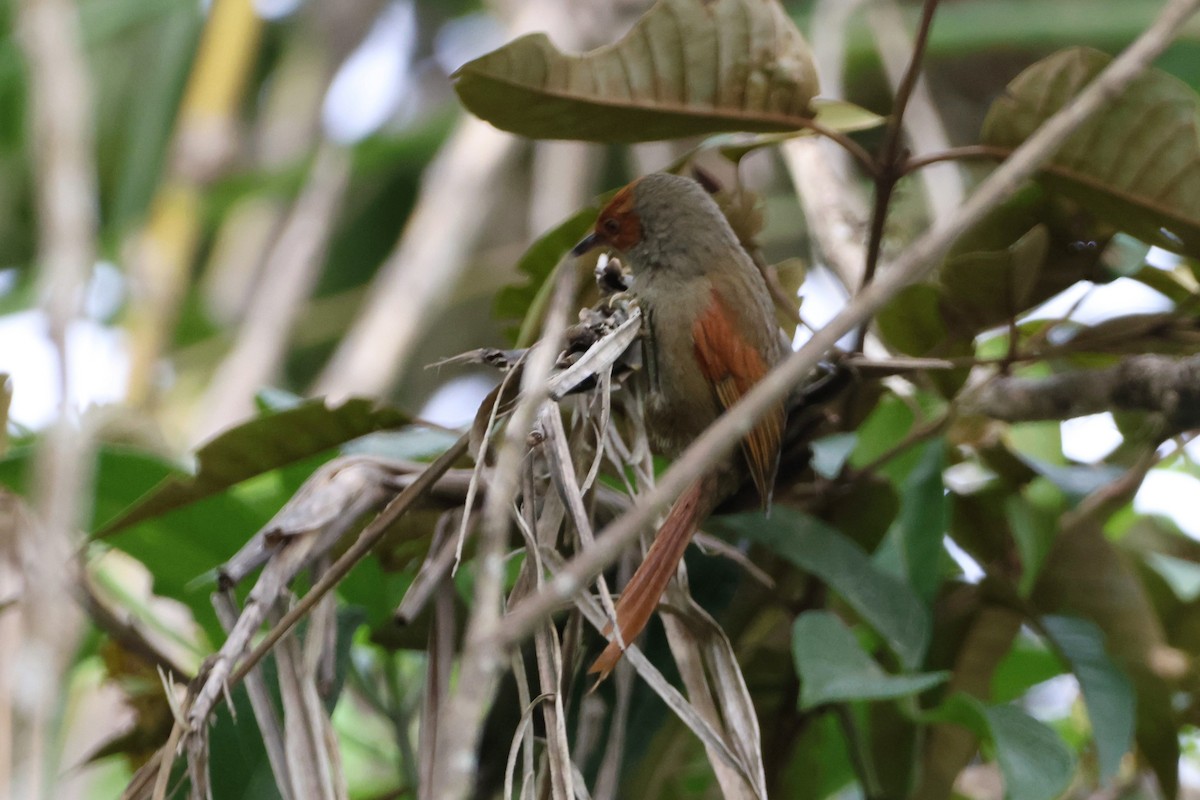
x: 888, y: 164
x: 849, y: 145
x: 958, y: 154
x: 1154, y: 383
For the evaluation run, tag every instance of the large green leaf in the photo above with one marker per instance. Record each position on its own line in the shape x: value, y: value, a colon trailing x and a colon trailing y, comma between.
x: 258, y: 446
x: 834, y: 668
x: 1136, y: 163
x: 985, y: 288
x: 884, y: 601
x: 685, y: 68
x: 1106, y: 690
x: 122, y: 476
x: 1033, y: 759
x: 1085, y: 575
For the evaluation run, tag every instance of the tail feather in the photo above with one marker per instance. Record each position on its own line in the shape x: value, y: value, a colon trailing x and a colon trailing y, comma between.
x: 641, y: 595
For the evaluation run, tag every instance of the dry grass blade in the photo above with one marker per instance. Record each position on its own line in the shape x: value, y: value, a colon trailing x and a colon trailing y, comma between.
x: 196, y: 745
x: 558, y: 748
x: 598, y: 358
x: 522, y: 738
x: 518, y: 737
x: 273, y: 581
x: 717, y: 689
x: 562, y: 476
x: 438, y: 665
x: 433, y: 570
x: 331, y: 499
x: 313, y: 768
x: 480, y: 439
x: 711, y: 544
x: 260, y: 703
x: 659, y: 684
x: 609, y: 776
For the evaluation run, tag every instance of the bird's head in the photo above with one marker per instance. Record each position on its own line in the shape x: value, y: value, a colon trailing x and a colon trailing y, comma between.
x: 656, y: 220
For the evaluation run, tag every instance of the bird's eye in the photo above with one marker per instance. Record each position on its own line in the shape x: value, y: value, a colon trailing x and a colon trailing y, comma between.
x: 611, y: 226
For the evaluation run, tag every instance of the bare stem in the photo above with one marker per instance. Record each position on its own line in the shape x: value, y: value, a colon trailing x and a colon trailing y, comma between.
x: 887, y: 167
x: 65, y: 174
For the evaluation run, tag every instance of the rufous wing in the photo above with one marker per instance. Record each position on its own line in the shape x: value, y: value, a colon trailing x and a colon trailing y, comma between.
x: 732, y: 365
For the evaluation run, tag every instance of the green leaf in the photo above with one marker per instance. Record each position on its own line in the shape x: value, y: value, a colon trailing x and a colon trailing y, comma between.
x: 1085, y: 575
x: 829, y: 453
x: 1182, y: 575
x: 912, y: 321
x: 1028, y: 663
x: 686, y: 68
x: 1106, y: 690
x: 837, y: 115
x: 258, y: 446
x: 122, y: 476
x: 1134, y: 163
x: 986, y: 288
x: 1034, y: 760
x: 884, y: 601
x: 834, y: 668
x: 539, y: 261
x: 921, y: 525
x: 1076, y: 481
x: 1033, y: 530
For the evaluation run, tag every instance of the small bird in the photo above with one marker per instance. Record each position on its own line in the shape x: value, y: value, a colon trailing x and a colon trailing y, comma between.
x: 711, y: 334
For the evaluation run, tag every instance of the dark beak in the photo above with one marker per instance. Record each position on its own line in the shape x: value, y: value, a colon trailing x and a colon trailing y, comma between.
x: 589, y: 242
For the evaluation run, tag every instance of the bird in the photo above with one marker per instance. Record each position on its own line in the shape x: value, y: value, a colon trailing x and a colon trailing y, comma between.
x: 710, y: 334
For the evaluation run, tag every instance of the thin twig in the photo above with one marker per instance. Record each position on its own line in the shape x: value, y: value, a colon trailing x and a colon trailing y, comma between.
x: 970, y: 151
x: 849, y: 145
x: 887, y: 172
x: 923, y: 126
x: 917, y: 260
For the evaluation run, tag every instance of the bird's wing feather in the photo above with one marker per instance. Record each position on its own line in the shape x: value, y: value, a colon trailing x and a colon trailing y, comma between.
x: 732, y: 365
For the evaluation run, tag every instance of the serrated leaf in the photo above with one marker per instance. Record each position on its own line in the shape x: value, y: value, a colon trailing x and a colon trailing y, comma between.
x: 259, y: 446
x: 1107, y: 692
x: 685, y: 68
x: 884, y: 601
x: 834, y: 668
x: 1135, y: 163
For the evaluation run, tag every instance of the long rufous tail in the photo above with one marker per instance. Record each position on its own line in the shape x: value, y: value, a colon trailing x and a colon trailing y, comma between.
x: 641, y: 595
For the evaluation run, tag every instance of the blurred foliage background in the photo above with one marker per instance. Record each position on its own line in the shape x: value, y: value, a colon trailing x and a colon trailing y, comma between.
x: 290, y: 203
